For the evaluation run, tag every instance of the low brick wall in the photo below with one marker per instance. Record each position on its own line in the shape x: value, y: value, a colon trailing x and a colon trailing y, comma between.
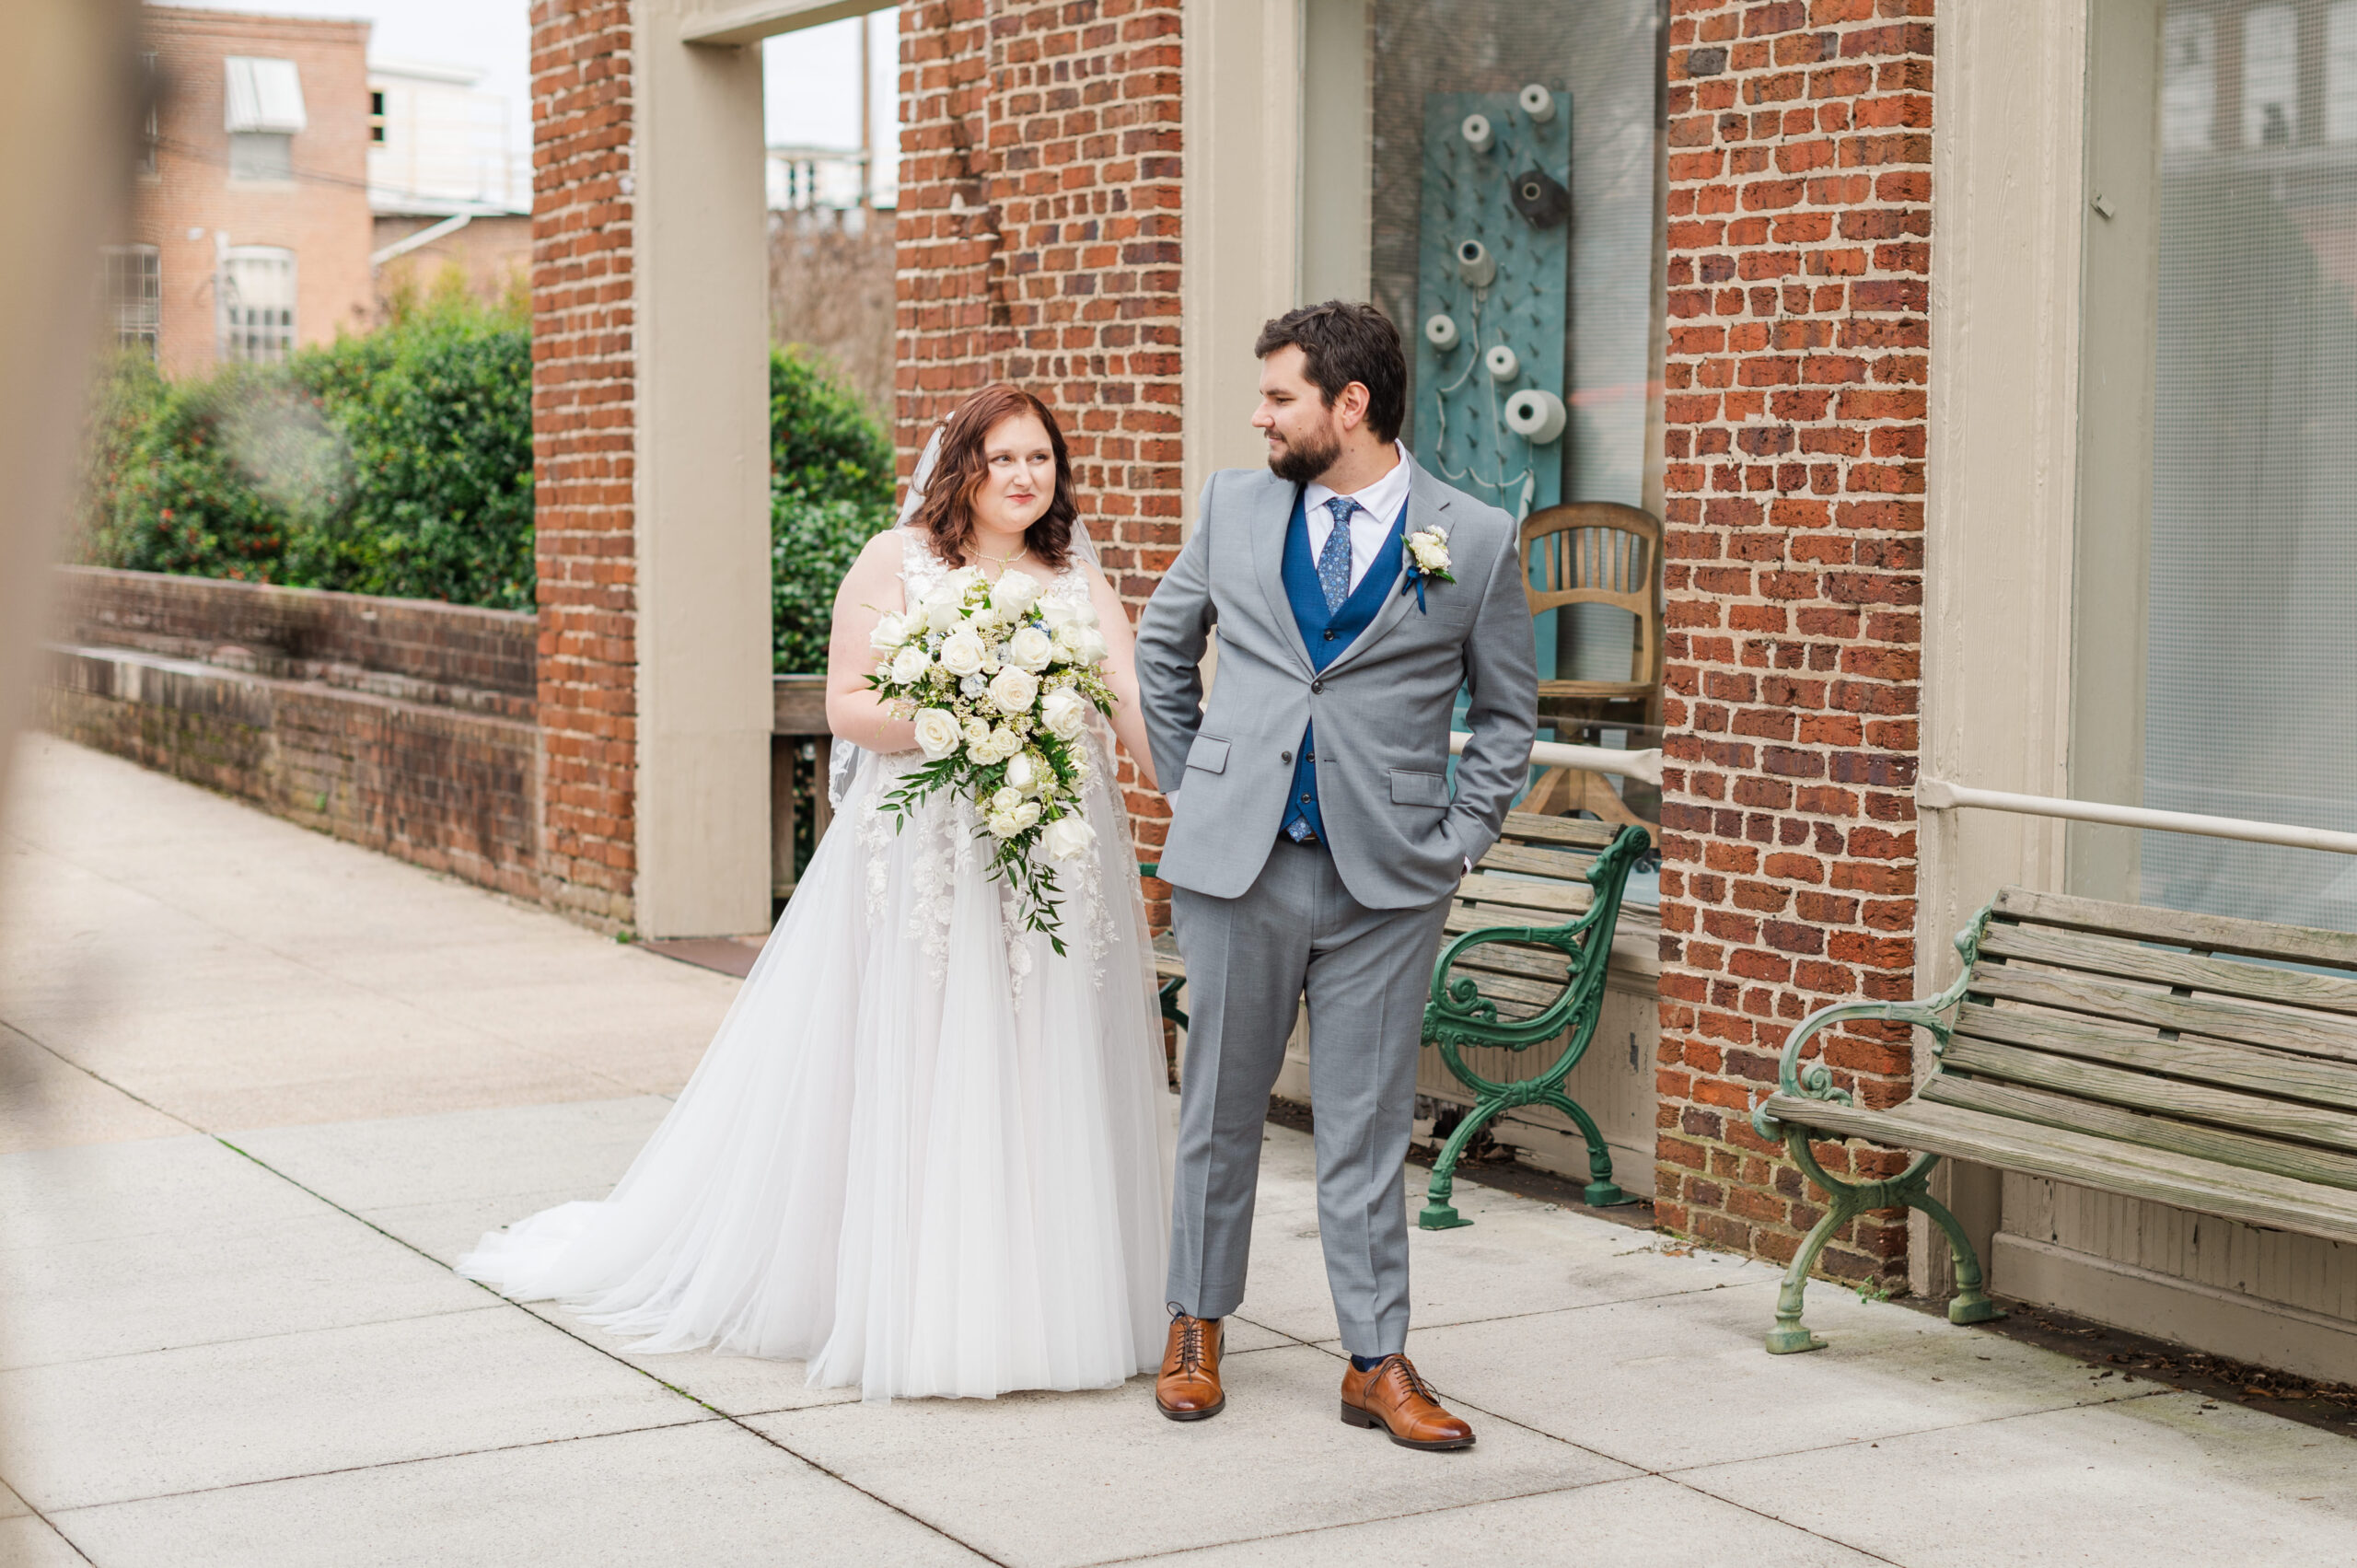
x: 403, y: 725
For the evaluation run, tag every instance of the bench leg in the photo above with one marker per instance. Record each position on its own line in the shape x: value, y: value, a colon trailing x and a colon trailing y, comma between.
x: 1789, y: 1337
x: 1600, y: 1192
x: 1439, y: 1213
x: 1972, y: 1304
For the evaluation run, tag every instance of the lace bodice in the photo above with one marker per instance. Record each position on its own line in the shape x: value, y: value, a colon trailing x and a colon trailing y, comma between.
x: 923, y: 572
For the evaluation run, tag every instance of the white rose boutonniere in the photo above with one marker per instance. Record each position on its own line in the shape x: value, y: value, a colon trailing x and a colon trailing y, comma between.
x: 1427, y: 558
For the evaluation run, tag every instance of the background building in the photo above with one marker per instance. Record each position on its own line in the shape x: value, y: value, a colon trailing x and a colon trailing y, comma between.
x: 249, y: 232
x: 446, y: 187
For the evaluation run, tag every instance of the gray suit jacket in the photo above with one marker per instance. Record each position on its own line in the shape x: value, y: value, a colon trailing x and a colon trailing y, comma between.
x: 1398, y: 837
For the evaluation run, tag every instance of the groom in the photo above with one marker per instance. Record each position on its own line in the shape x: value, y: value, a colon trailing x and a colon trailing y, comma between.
x: 1314, y: 836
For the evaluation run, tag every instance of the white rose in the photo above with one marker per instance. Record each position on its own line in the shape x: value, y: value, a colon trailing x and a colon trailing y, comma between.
x: 890, y: 632
x: 1013, y: 593
x: 1056, y: 613
x: 954, y: 587
x: 978, y: 731
x: 1002, y: 824
x: 1025, y: 815
x: 1004, y: 743
x: 910, y: 664
x: 1025, y: 772
x: 1014, y: 690
x: 1064, y: 713
x: 1067, y: 838
x: 1006, y: 800
x: 961, y: 653
x: 937, y: 732
x: 1029, y: 649
x: 1092, y: 646
x: 1085, y: 612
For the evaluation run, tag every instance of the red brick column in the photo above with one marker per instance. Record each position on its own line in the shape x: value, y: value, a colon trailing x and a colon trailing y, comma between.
x: 583, y: 431
x: 1037, y: 236
x: 1799, y: 226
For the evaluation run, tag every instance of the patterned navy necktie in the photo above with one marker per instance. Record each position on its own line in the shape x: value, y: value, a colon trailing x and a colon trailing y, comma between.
x: 1334, y: 561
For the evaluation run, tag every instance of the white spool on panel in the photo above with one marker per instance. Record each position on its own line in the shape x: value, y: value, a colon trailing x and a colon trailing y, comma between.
x: 1538, y: 103
x: 1535, y: 415
x: 1479, y: 132
x: 1475, y: 264
x: 1500, y: 363
x: 1440, y: 331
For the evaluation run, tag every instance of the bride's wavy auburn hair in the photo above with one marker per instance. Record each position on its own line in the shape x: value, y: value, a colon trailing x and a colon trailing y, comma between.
x: 947, y: 513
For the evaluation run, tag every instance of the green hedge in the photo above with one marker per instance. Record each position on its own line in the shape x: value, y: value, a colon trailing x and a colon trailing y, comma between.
x: 400, y: 463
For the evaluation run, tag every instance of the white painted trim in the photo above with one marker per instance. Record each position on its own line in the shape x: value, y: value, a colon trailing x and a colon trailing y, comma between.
x: 427, y: 235
x: 750, y: 24
x: 2222, y: 1322
x: 1644, y: 765
x: 1938, y: 795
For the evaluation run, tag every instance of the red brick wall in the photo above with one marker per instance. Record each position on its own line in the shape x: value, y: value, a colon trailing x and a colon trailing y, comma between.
x: 583, y: 435
x: 1037, y: 238
x: 1799, y: 256
x: 321, y: 214
x: 399, y: 724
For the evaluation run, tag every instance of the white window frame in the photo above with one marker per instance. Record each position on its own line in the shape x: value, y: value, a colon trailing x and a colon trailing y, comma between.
x: 136, y: 322
x: 258, y: 331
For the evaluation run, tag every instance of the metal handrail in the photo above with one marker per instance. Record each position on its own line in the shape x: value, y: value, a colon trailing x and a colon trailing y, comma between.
x: 1643, y: 765
x: 1939, y: 795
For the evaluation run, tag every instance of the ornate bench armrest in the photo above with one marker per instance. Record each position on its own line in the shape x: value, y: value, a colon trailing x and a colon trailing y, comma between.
x: 1816, y: 1080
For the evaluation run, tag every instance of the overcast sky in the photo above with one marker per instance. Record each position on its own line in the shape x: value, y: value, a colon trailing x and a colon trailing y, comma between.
x: 810, y: 78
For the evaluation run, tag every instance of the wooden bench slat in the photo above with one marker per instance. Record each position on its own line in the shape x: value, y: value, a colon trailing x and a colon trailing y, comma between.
x: 2269, y: 1074
x: 1538, y: 963
x: 1504, y: 987
x: 1534, y: 828
x: 1556, y: 897
x: 2309, y: 1034
x: 1564, y: 865
x: 2128, y: 960
x: 2022, y: 1104
x: 2254, y: 1197
x: 2198, y: 1102
x: 2212, y: 933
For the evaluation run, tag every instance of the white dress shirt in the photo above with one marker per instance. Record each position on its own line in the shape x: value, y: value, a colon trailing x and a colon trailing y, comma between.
x: 1378, y: 508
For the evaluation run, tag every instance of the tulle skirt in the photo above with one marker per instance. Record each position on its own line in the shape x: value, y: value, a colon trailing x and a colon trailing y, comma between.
x: 924, y: 1154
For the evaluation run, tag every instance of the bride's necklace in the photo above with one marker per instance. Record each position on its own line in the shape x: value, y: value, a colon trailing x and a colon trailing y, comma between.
x: 1010, y: 561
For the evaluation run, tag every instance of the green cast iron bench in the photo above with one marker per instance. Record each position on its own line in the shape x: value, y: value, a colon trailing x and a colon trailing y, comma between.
x: 2127, y: 1050
x: 1533, y: 923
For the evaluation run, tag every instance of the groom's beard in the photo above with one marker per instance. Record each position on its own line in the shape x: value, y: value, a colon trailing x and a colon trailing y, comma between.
x: 1298, y: 462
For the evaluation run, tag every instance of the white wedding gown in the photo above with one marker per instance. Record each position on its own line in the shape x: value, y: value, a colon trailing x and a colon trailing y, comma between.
x: 924, y: 1153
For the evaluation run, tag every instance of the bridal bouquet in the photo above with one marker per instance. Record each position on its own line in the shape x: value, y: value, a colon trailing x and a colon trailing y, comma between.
x: 1000, y: 683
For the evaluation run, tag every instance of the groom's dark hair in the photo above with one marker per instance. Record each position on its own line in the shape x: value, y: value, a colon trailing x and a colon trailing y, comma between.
x: 1344, y: 340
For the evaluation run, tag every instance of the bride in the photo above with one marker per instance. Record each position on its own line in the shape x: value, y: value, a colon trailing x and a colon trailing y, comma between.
x: 924, y: 1154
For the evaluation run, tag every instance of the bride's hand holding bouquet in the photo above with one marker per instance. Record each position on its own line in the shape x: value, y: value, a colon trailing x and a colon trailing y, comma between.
x: 998, y: 682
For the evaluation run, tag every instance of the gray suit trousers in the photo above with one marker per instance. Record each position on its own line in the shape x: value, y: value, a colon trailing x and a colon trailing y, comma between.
x: 1367, y: 972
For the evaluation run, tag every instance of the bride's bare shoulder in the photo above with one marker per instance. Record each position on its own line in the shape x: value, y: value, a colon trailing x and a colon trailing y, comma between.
x: 876, y: 570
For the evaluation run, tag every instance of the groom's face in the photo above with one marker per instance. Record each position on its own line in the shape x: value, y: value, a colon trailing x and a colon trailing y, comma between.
x: 1304, y: 433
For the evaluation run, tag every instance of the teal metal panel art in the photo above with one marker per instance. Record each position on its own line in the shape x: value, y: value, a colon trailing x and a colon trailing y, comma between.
x: 1492, y: 282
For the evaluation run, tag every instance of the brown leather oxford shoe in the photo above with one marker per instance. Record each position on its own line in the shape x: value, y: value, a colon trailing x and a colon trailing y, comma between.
x: 1391, y: 1394
x: 1189, y: 1388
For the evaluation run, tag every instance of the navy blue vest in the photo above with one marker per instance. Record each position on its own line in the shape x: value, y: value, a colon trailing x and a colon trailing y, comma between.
x: 1326, y: 633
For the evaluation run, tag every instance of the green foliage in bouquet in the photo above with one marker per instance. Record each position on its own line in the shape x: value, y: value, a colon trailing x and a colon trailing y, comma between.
x: 999, y: 683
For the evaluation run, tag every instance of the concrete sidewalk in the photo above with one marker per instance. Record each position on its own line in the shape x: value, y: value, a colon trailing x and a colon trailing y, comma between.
x: 260, y: 1087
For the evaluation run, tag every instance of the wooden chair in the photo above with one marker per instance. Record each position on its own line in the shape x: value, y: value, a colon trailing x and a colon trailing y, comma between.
x: 1596, y: 552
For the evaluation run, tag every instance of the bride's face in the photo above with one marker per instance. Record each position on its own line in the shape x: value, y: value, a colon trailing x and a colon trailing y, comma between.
x: 1018, y: 475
